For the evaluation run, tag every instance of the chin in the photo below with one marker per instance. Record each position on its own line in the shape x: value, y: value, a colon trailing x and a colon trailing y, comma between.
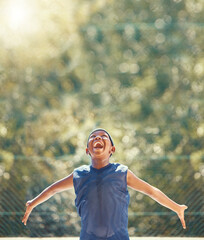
x: 98, y: 153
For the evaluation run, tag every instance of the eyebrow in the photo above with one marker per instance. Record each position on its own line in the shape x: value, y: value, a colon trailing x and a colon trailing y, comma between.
x: 104, y: 134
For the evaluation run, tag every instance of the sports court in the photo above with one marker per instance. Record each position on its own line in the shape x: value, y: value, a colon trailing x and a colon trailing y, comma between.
x: 132, y: 238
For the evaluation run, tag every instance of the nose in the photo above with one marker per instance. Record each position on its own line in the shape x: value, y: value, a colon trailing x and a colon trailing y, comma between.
x: 98, y: 137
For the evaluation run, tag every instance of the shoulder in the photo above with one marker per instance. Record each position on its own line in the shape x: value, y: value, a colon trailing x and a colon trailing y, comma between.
x: 120, y: 167
x: 84, y: 169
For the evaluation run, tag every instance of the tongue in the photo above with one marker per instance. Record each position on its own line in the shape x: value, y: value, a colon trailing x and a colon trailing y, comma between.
x: 98, y: 145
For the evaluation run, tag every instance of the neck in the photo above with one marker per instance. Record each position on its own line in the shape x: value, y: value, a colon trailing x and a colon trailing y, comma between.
x: 96, y: 163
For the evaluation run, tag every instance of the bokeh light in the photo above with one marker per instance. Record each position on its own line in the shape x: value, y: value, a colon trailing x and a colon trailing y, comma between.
x: 19, y: 15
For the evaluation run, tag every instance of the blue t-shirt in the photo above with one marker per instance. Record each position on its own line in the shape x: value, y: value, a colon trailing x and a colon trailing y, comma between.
x: 102, y: 201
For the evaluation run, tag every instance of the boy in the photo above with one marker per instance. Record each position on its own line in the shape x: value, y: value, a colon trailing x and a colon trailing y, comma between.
x: 101, y: 192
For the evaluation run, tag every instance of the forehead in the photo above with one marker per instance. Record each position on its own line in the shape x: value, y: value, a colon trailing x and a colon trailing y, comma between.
x: 99, y: 132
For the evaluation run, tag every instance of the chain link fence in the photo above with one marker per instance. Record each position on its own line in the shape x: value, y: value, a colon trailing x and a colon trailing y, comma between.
x: 58, y: 216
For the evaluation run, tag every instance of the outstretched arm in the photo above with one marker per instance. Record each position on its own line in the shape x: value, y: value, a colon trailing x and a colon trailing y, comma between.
x: 153, y: 192
x: 59, y: 186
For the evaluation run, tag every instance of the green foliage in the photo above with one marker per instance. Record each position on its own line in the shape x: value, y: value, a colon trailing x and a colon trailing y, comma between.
x: 135, y: 68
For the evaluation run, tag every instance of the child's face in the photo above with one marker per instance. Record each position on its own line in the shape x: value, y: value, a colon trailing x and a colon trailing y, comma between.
x: 99, y: 144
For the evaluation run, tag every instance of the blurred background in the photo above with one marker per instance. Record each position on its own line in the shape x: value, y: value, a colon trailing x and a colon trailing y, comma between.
x: 133, y: 67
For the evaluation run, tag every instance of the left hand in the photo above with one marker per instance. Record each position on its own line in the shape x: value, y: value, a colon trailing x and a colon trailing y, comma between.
x: 180, y: 214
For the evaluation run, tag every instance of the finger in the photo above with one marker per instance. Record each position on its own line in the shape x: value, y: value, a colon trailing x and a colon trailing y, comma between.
x: 25, y: 221
x: 184, y: 225
x: 182, y: 221
x: 25, y: 218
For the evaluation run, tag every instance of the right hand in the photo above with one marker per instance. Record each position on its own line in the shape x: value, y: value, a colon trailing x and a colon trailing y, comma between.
x: 28, y: 211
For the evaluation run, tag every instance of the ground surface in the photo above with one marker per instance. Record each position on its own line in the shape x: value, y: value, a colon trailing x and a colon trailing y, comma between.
x: 132, y: 238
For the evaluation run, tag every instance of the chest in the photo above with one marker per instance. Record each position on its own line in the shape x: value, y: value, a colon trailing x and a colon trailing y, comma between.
x: 93, y: 184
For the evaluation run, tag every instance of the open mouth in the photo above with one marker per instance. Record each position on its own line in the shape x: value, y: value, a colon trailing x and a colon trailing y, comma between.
x: 98, y: 145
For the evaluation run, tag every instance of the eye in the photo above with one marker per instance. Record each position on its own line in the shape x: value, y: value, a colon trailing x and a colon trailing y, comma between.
x: 104, y: 136
x: 92, y: 136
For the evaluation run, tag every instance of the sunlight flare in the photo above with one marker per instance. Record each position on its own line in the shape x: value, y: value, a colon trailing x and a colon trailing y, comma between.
x: 19, y: 15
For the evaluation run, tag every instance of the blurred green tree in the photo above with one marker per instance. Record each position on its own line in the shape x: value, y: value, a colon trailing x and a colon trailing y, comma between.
x: 133, y: 67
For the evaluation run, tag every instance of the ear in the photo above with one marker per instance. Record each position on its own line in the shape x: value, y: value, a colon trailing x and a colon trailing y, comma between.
x: 112, y: 149
x: 87, y: 151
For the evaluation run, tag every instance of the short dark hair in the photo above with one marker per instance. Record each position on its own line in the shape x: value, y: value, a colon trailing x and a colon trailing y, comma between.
x: 100, y: 129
